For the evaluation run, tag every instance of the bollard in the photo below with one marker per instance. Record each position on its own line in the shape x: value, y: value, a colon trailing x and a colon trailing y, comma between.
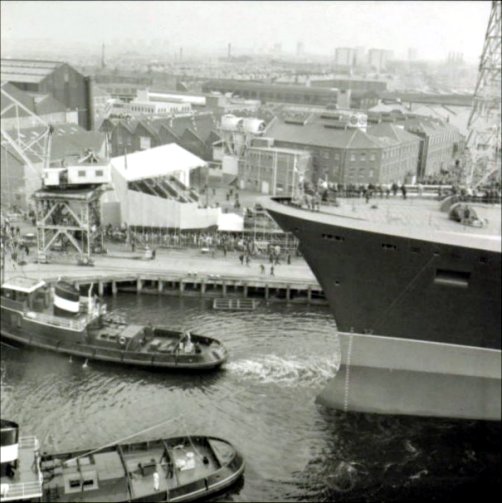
x: 114, y: 288
x: 139, y: 285
x: 160, y: 286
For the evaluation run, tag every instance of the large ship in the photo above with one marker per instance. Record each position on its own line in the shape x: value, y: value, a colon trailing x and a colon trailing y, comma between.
x: 414, y: 286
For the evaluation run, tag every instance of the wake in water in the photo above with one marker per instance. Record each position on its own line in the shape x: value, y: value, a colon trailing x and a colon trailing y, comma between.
x: 293, y: 371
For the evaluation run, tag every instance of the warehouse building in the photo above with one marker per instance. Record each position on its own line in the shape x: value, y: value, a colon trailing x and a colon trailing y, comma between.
x: 55, y: 78
x: 274, y: 92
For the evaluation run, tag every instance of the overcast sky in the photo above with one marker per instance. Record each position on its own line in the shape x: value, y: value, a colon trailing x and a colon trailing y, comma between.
x: 433, y: 28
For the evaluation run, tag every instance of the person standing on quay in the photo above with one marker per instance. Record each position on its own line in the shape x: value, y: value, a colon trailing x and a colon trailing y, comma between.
x: 262, y: 269
x: 272, y: 270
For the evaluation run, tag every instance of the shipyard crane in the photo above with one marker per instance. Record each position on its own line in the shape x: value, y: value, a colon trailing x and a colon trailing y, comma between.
x: 484, y: 134
x: 64, y: 219
x: 34, y: 149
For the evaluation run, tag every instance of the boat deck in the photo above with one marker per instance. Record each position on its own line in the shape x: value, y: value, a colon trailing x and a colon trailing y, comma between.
x: 411, y: 218
x: 26, y: 483
x: 186, y: 466
x: 414, y: 212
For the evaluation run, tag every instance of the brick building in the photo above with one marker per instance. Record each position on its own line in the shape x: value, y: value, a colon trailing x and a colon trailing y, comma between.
x: 441, y: 143
x: 195, y: 133
x: 273, y: 170
x: 349, y: 155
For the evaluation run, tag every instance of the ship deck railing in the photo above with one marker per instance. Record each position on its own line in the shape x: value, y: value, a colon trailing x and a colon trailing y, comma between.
x: 29, y: 442
x: 29, y: 489
x: 22, y: 491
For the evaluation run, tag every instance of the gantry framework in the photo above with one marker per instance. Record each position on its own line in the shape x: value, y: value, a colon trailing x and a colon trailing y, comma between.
x: 484, y: 137
x: 33, y: 149
x: 69, y: 220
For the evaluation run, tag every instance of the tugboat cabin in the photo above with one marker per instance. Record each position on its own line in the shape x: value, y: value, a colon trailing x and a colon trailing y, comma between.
x: 22, y: 294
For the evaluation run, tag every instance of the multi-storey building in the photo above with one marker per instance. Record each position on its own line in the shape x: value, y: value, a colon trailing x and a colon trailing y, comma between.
x: 441, y: 143
x: 273, y: 170
x: 344, y: 56
x: 378, y: 59
x: 349, y: 154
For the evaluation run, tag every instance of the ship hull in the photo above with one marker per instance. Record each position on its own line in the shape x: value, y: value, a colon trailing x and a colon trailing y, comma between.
x: 422, y: 292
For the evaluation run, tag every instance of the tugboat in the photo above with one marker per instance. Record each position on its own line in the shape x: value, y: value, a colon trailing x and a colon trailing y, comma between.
x: 34, y: 315
x: 174, y: 469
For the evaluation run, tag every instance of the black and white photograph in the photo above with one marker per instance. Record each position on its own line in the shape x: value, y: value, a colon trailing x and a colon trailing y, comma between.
x: 250, y: 251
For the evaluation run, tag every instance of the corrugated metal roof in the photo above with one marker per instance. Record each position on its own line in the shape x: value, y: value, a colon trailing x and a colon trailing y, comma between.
x: 28, y: 71
x: 155, y: 162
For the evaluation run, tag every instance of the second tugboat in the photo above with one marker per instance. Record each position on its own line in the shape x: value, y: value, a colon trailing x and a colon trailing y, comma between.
x: 173, y: 469
x: 61, y: 321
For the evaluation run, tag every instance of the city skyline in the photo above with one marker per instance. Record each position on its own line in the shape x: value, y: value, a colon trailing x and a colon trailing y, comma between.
x: 432, y: 29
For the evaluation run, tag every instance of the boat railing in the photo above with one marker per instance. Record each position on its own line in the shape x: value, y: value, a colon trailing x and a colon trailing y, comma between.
x: 72, y: 324
x: 28, y: 442
x: 12, y: 304
x: 22, y: 491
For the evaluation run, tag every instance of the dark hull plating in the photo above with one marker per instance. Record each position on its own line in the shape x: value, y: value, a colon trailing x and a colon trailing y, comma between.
x: 392, y: 286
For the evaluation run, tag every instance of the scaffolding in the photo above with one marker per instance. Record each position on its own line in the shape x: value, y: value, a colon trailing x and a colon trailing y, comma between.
x: 484, y: 137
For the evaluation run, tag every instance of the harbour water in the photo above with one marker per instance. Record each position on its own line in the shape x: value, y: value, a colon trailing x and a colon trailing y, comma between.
x: 262, y: 401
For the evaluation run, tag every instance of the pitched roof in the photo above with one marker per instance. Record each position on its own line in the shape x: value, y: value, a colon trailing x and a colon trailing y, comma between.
x: 21, y: 96
x: 67, y: 139
x: 390, y: 130
x: 154, y: 162
x: 25, y: 70
x: 316, y: 134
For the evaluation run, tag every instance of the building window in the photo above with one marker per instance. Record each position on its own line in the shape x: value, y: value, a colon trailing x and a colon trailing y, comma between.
x: 144, y: 142
x: 99, y: 172
x: 352, y: 157
x: 337, y: 157
x: 363, y: 156
x: 81, y: 173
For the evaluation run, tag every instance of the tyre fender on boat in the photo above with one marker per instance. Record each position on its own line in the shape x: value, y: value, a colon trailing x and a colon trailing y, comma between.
x: 122, y: 341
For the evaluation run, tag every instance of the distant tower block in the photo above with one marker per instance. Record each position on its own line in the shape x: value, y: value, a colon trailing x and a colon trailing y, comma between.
x: 484, y: 137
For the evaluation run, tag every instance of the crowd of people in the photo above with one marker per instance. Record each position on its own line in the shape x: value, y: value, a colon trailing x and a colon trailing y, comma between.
x: 199, y: 239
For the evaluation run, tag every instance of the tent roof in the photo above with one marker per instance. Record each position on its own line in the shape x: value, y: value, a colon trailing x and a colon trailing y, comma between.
x: 154, y: 162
